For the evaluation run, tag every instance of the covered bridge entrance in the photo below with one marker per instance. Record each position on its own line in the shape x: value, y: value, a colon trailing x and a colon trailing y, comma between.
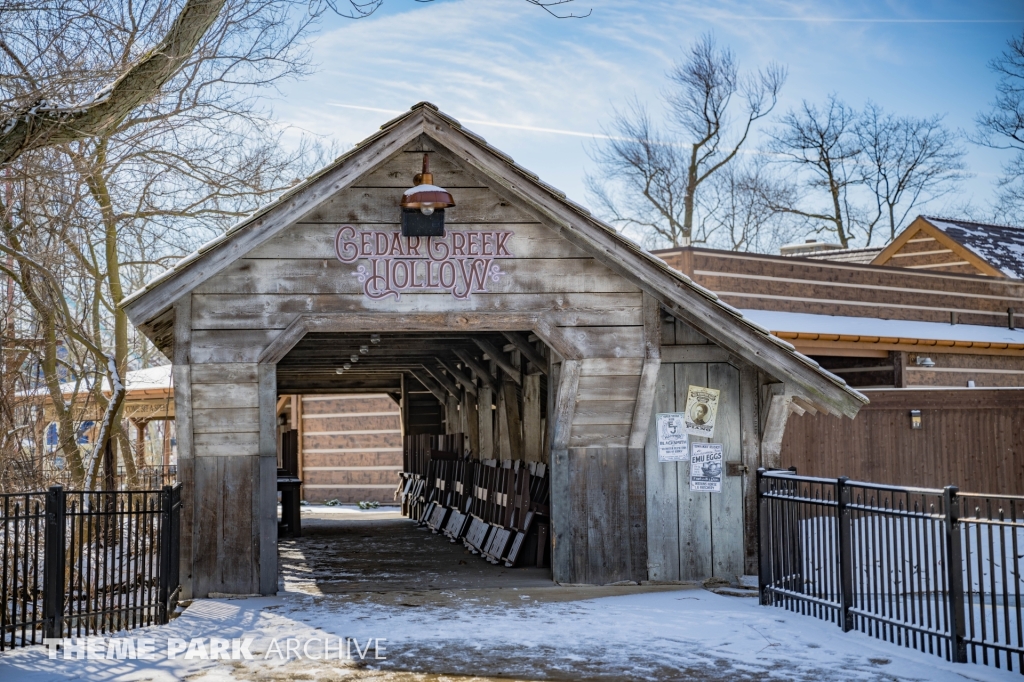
x: 563, y: 339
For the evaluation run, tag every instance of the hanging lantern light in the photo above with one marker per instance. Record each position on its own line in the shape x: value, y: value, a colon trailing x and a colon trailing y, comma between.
x: 423, y: 205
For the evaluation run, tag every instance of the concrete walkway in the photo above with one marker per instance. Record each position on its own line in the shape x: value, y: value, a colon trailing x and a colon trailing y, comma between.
x: 437, y: 619
x: 382, y: 551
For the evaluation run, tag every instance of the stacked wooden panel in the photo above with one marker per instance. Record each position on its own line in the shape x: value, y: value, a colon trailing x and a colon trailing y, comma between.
x: 351, y: 448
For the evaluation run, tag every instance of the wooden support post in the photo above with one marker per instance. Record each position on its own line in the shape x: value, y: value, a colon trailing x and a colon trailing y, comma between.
x: 750, y: 441
x: 479, y: 371
x: 774, y: 425
x: 141, y: 426
x: 649, y: 374
x: 532, y: 444
x: 519, y: 340
x: 452, y: 422
x: 264, y: 497
x: 499, y: 359
x: 300, y: 427
x: 512, y: 422
x: 165, y: 446
x: 899, y: 368
x: 485, y: 424
x: 182, y: 378
x: 503, y: 445
x: 566, y: 377
x: 565, y: 404
x: 471, y: 423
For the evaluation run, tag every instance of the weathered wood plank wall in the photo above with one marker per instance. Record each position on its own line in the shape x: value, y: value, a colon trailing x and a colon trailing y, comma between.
x: 693, y: 536
x: 969, y: 437
x: 352, y: 448
x: 764, y: 282
x: 236, y: 314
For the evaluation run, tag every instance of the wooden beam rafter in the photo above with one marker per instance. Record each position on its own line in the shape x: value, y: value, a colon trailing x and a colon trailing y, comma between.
x: 459, y: 377
x: 518, y: 339
x: 500, y: 360
x: 429, y: 384
x: 479, y: 371
x: 444, y: 381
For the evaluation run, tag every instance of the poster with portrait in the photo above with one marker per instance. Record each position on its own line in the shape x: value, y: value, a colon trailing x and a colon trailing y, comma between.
x: 673, y: 443
x: 706, y: 468
x: 701, y: 410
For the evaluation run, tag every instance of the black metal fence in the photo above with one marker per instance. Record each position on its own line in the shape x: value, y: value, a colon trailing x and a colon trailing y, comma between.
x: 932, y: 569
x: 147, y: 478
x: 78, y: 563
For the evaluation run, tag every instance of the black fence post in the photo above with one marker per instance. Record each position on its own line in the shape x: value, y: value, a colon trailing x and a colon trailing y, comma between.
x: 170, y: 538
x: 163, y: 593
x: 955, y: 576
x: 53, y: 563
x: 764, y: 560
x: 845, y: 552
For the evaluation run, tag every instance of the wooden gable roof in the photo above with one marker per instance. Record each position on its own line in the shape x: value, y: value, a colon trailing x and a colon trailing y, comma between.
x: 957, y: 247
x: 151, y: 307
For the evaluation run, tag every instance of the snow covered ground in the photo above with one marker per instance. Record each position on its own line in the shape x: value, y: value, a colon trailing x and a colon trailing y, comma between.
x: 545, y: 633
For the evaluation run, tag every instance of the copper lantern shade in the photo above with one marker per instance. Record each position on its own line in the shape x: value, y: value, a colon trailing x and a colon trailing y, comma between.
x: 426, y: 197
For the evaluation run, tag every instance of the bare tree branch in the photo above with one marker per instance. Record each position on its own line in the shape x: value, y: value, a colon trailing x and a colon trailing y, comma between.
x: 43, y: 124
x: 660, y: 174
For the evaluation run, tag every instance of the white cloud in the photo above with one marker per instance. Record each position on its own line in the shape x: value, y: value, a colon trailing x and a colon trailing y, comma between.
x: 541, y: 88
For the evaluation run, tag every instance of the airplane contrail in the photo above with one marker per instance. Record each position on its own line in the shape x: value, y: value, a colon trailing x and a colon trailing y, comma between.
x: 495, y: 124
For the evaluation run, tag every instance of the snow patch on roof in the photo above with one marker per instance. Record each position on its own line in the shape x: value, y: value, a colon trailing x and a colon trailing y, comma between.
x: 1002, y: 246
x: 809, y: 323
x: 149, y: 379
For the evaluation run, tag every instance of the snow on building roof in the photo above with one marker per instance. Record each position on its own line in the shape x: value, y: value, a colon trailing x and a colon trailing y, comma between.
x: 156, y: 379
x: 1000, y: 245
x: 862, y: 256
x: 807, y: 323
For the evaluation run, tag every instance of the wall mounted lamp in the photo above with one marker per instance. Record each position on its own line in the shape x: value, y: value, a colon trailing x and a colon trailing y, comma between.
x: 915, y: 419
x: 922, y: 361
x: 423, y: 205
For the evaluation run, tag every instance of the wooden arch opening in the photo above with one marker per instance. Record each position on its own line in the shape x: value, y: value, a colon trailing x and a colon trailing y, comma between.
x: 474, y: 415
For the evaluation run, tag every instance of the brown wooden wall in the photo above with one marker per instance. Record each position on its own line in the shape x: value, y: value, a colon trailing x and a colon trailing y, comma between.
x: 352, y: 448
x: 973, y: 438
x: 800, y: 285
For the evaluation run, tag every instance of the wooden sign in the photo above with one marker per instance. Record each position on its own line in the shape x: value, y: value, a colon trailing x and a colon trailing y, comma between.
x: 462, y: 262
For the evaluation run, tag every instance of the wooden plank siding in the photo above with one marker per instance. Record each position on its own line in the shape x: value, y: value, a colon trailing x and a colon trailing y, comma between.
x: 239, y: 311
x: 592, y: 312
x: 828, y: 288
x: 969, y: 437
x: 693, y: 536
x: 352, y: 448
x: 924, y: 246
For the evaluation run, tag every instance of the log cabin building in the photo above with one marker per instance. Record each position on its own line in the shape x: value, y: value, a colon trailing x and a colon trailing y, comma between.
x: 530, y: 327
x: 935, y: 340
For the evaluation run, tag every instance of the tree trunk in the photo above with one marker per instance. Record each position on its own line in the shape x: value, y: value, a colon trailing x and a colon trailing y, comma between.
x: 838, y: 208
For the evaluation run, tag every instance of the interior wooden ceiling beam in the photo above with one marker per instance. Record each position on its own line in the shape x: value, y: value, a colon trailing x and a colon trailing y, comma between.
x: 519, y: 340
x: 479, y: 371
x: 429, y: 384
x: 445, y: 382
x: 499, y: 359
x: 459, y: 377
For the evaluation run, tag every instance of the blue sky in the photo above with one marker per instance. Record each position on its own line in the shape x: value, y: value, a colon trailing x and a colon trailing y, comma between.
x: 539, y: 88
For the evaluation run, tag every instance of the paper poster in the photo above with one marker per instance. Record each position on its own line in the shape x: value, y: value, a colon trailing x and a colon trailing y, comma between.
x: 673, y: 443
x: 701, y: 410
x: 706, y: 468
